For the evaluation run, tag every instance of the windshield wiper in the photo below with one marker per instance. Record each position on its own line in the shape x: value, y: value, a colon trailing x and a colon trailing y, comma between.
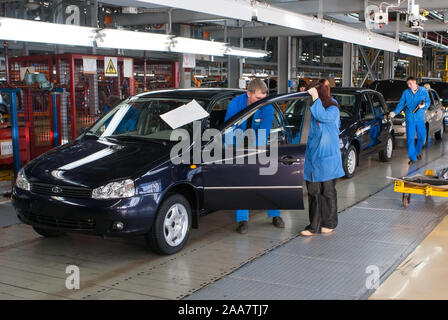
x: 130, y: 138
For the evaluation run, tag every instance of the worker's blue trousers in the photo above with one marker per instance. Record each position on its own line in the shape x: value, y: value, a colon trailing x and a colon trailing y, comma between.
x: 414, y: 149
x: 243, y: 215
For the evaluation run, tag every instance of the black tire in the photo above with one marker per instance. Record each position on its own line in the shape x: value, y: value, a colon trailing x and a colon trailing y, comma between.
x: 439, y: 134
x: 48, y: 233
x: 406, y: 200
x: 384, y: 155
x: 345, y: 163
x: 156, y: 237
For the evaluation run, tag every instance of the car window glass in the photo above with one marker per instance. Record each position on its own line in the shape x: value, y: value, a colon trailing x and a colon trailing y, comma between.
x: 435, y: 98
x: 278, y: 127
x: 269, y: 119
x: 218, y: 113
x: 377, y: 105
x: 347, y: 104
x: 261, y: 125
x: 365, y: 110
x: 294, y: 113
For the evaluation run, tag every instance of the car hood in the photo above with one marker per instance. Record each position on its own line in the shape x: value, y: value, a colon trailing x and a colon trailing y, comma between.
x: 94, y: 162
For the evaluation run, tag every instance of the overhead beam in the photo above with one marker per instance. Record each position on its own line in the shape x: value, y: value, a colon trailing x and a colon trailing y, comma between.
x: 177, y: 16
x: 262, y: 12
x: 279, y: 31
x: 258, y: 32
x: 344, y: 6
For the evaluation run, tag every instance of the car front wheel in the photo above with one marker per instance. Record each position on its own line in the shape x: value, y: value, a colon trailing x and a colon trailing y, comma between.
x: 386, y: 153
x: 171, y: 228
x: 350, y: 162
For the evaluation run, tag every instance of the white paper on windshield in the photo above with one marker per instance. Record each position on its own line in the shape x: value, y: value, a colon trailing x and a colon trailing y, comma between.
x: 184, y: 114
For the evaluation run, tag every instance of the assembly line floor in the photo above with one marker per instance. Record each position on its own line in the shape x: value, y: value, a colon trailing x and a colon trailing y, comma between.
x: 218, y: 263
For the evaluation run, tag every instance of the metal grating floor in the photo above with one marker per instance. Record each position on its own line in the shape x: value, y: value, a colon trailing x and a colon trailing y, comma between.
x: 376, y: 231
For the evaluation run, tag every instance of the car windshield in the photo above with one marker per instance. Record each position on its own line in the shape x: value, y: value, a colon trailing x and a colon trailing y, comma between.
x: 139, y: 118
x: 347, y: 104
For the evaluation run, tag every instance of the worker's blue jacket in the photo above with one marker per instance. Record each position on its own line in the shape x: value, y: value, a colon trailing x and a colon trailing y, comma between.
x: 323, y: 159
x: 262, y: 119
x: 409, y: 101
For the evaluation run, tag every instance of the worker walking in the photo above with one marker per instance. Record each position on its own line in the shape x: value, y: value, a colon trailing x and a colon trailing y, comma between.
x: 415, y: 100
x: 262, y: 120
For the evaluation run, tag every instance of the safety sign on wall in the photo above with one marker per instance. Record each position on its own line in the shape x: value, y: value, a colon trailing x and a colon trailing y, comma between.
x: 110, y: 67
x: 26, y: 70
x: 6, y: 148
x: 89, y: 65
x: 189, y: 60
x: 127, y: 68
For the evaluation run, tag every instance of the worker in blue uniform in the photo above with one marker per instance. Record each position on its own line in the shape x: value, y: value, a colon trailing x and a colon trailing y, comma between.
x: 261, y: 120
x: 323, y: 161
x: 415, y: 100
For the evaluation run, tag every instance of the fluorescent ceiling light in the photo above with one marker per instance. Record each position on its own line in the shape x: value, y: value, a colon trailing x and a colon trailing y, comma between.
x: 132, y: 40
x: 35, y: 31
x: 187, y: 45
x: 252, y: 53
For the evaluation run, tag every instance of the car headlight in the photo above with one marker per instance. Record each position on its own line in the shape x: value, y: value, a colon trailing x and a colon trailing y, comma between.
x: 22, y: 182
x: 115, y: 190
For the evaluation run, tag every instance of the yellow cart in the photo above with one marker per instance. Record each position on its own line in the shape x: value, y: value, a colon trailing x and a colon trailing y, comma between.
x: 427, y: 189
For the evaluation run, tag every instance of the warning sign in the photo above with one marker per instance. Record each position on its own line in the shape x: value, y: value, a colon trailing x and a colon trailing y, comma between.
x: 110, y: 67
x: 6, y: 148
x: 26, y: 70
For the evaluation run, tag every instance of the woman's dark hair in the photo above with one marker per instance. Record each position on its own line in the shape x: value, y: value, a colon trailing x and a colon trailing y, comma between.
x: 324, y: 93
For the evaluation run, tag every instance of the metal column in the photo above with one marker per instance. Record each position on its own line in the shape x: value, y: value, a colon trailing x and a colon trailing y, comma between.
x: 185, y: 74
x: 347, y: 67
x: 389, y: 69
x: 233, y: 68
x: 283, y: 56
x: 293, y: 56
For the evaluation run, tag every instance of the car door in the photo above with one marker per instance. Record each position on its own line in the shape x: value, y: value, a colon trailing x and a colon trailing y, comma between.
x: 378, y: 132
x: 367, y: 120
x: 437, y: 119
x: 254, y: 177
x: 430, y: 113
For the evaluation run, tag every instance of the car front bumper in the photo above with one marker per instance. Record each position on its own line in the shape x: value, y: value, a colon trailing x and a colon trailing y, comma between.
x: 399, y: 130
x: 88, y: 216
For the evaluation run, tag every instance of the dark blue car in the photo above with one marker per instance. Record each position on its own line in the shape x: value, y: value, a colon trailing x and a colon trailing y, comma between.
x: 118, y: 178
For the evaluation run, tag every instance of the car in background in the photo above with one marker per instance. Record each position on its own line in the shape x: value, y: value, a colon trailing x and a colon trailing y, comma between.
x: 118, y: 178
x: 442, y: 90
x: 392, y: 91
x: 364, y: 129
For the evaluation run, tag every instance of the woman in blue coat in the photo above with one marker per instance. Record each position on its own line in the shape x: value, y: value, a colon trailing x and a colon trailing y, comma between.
x: 323, y: 162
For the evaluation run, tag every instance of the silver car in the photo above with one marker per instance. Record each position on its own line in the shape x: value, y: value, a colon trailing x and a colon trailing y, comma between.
x: 434, y: 119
